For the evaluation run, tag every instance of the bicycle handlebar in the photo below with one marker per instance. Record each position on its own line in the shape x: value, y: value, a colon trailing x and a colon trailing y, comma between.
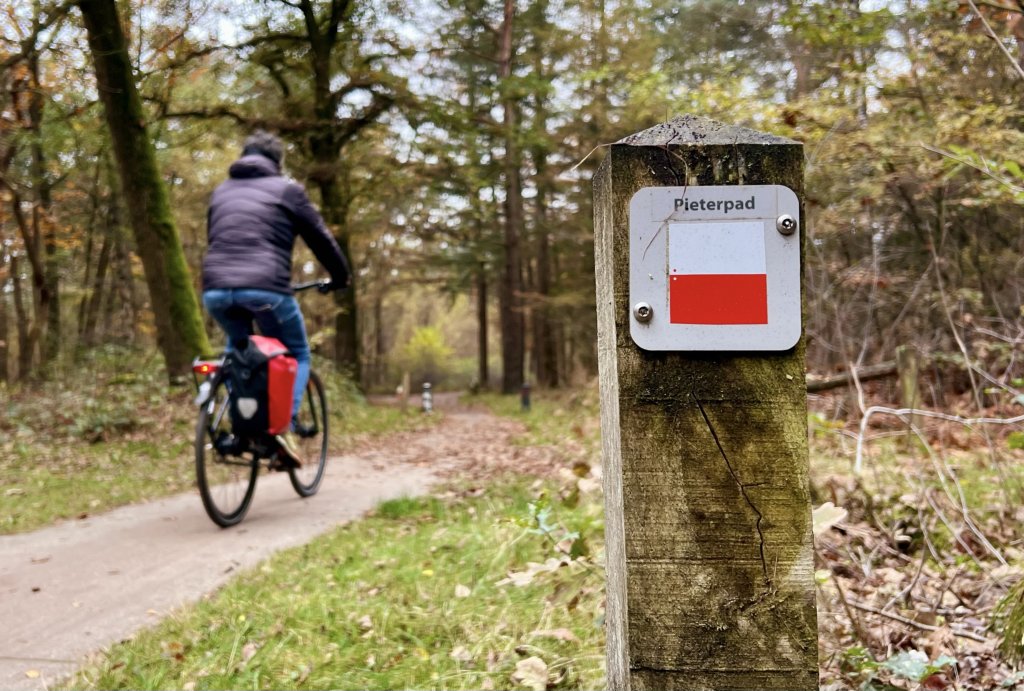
x: 324, y: 285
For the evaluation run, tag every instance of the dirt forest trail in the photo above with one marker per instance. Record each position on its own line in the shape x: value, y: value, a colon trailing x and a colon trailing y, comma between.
x: 74, y: 588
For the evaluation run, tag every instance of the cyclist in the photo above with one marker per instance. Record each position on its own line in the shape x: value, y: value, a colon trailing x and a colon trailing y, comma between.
x: 252, y: 222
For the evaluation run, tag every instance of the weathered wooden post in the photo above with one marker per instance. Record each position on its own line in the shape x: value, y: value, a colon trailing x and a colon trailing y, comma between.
x: 908, y: 368
x: 704, y: 423
x: 406, y: 385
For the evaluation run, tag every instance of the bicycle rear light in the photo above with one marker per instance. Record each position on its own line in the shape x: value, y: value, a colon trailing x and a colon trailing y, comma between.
x: 205, y: 367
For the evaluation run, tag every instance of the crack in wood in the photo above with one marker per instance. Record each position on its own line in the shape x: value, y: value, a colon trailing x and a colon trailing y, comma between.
x: 743, y: 490
x: 666, y: 149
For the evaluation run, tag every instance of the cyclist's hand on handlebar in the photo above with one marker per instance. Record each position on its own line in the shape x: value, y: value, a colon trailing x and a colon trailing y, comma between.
x: 327, y: 285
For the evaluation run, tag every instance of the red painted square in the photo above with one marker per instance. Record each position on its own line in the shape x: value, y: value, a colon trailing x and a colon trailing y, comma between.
x: 718, y: 299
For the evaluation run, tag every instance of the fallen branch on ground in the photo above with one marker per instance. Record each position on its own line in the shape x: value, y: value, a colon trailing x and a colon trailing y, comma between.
x: 960, y: 633
x: 879, y: 371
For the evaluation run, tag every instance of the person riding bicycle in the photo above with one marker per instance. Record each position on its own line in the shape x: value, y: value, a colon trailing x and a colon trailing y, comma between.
x: 252, y: 222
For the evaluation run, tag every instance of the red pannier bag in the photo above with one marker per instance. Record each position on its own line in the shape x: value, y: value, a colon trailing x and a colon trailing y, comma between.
x: 281, y: 370
x: 263, y: 380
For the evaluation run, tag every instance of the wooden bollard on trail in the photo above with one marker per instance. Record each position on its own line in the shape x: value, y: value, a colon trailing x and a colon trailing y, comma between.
x: 406, y: 385
x: 703, y: 411
x: 908, y: 367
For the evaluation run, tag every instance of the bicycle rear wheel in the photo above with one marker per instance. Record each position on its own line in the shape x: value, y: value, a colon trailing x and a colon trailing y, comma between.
x: 226, y: 478
x: 311, y: 432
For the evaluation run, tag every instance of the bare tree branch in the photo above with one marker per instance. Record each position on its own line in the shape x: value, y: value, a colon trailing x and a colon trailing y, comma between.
x: 345, y: 127
x: 1016, y: 189
x: 254, y: 42
x: 960, y: 633
x: 28, y: 43
x: 339, y: 13
x: 350, y: 127
x: 994, y: 4
x: 992, y: 35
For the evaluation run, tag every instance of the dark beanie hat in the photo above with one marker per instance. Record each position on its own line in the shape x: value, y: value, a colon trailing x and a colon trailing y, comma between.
x: 265, y: 144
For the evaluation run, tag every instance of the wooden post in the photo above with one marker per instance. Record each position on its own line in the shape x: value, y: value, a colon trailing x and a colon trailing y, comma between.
x: 406, y: 384
x: 908, y: 366
x: 708, y: 516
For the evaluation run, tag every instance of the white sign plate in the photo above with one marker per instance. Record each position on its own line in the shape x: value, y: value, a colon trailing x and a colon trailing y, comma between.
x: 714, y: 268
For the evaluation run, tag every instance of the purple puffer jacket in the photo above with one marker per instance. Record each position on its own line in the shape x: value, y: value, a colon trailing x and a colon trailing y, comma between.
x: 253, y: 219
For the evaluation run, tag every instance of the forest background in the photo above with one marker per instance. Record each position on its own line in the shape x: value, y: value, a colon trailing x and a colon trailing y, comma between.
x: 450, y: 145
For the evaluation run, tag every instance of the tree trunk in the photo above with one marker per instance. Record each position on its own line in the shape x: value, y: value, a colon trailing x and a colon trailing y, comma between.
x: 908, y: 366
x: 179, y: 325
x: 5, y: 373
x: 127, y: 295
x: 512, y: 322
x: 327, y: 84
x: 43, y: 226
x: 90, y: 231
x: 25, y: 345
x: 29, y: 330
x: 92, y: 311
x: 379, y: 350
x: 545, y: 346
x: 346, y: 320
x: 90, y: 237
x: 335, y: 202
x: 483, y: 373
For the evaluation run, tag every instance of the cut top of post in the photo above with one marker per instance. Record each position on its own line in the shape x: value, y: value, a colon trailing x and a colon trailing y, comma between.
x: 694, y: 129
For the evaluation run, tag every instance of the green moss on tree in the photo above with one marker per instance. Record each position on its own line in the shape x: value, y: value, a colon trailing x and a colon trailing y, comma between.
x: 179, y: 324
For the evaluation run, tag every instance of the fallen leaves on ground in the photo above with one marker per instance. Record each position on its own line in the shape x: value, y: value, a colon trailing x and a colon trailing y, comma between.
x: 907, y: 586
x: 531, y: 673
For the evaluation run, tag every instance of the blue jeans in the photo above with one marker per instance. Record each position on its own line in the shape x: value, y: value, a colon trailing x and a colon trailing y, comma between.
x: 276, y: 314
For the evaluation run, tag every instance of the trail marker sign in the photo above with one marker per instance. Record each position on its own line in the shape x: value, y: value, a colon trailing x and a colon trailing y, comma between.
x: 715, y: 268
x: 709, y: 548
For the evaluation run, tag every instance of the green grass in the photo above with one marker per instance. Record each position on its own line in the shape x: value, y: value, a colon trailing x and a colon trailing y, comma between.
x: 69, y: 480
x: 407, y: 599
x: 113, y: 433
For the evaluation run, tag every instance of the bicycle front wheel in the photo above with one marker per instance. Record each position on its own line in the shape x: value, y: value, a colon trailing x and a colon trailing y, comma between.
x: 226, y: 478
x: 311, y: 431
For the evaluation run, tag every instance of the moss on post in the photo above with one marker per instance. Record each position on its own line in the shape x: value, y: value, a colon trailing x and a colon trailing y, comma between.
x: 710, y: 552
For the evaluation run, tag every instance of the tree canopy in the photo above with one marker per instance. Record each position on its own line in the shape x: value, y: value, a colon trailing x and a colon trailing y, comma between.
x: 450, y: 144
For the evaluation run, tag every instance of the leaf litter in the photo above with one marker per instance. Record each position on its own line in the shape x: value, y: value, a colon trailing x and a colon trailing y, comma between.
x: 910, y: 580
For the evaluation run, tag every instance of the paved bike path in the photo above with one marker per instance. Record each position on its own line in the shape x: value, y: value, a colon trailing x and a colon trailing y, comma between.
x: 79, y: 586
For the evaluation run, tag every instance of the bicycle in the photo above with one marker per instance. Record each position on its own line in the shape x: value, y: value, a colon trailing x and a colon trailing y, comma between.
x: 227, y: 465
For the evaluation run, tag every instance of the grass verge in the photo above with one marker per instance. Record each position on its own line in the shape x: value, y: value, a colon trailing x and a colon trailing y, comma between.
x: 476, y: 590
x: 115, y: 434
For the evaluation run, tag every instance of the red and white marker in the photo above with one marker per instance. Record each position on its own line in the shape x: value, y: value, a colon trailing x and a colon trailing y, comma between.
x: 717, y: 273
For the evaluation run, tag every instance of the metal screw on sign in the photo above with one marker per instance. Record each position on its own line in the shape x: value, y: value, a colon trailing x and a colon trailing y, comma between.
x: 643, y: 312
x: 428, y: 398
x: 786, y: 224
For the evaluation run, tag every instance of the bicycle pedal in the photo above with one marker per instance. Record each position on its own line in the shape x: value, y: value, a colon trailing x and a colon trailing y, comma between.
x: 228, y: 445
